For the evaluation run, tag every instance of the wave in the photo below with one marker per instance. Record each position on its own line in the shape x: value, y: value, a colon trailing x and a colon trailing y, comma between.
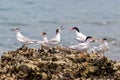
x: 13, y: 24
x: 53, y: 22
x: 4, y: 9
x: 103, y: 23
x: 114, y: 41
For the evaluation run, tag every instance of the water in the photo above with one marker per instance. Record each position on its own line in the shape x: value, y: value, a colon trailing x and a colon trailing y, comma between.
x: 100, y: 18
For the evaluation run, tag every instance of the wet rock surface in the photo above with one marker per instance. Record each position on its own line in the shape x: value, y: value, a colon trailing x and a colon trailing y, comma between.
x: 56, y: 64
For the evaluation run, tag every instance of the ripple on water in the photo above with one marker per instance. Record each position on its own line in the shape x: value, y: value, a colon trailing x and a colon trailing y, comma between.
x: 5, y: 9
x: 13, y: 24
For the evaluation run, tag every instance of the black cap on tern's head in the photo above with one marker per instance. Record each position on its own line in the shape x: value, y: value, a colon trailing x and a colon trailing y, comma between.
x: 88, y: 37
x: 57, y: 30
x: 43, y: 33
x: 105, y: 39
x: 15, y: 28
x: 76, y: 29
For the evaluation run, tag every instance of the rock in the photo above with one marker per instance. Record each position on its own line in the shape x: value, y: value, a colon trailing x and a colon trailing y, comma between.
x: 58, y: 63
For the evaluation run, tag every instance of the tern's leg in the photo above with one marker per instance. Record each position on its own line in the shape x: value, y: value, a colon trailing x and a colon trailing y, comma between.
x: 23, y: 45
x: 103, y: 55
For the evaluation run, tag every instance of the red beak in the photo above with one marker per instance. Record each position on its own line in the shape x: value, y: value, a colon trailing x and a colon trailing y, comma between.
x: 70, y: 29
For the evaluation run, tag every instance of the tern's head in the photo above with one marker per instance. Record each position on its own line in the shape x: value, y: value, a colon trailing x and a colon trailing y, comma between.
x: 88, y: 37
x: 43, y: 33
x: 75, y: 28
x: 104, y: 39
x: 59, y: 29
x: 15, y: 29
x: 92, y: 39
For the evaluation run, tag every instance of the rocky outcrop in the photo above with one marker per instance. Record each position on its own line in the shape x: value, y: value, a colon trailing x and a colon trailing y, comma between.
x: 57, y: 64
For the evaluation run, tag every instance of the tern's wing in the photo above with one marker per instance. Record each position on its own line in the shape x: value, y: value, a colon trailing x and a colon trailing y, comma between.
x: 73, y: 46
x: 98, y: 49
x: 81, y: 37
x: 82, y: 44
x: 54, y: 39
x: 53, y: 42
x: 41, y: 42
x: 27, y: 40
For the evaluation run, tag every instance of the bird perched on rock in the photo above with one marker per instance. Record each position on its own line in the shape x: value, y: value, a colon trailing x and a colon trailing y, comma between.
x: 55, y: 40
x: 49, y: 44
x: 44, y: 39
x: 24, y: 40
x: 44, y: 36
x: 103, y: 47
x: 79, y: 36
x: 83, y: 46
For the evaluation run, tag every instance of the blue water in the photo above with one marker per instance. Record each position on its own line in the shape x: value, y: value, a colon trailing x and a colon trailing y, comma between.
x: 99, y: 18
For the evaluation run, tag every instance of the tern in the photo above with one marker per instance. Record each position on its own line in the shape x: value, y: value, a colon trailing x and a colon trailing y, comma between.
x: 103, y: 47
x: 44, y: 39
x: 24, y: 40
x: 79, y: 36
x: 55, y: 40
x: 83, y: 46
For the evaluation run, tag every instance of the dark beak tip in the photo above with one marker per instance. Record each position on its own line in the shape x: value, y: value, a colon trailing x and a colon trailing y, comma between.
x: 61, y: 27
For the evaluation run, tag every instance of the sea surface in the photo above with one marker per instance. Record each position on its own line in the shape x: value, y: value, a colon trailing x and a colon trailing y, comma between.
x: 99, y: 18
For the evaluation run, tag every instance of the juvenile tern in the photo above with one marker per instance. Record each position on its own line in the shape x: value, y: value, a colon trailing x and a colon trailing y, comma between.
x: 24, y: 40
x: 44, y: 39
x: 79, y: 36
x: 83, y: 46
x: 44, y: 36
x: 103, y: 47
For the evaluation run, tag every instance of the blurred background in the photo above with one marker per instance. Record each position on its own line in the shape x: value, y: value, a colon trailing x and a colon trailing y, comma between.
x: 99, y: 18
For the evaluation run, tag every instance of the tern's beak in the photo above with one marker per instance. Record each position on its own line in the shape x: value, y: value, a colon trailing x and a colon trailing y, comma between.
x: 70, y: 29
x: 61, y: 27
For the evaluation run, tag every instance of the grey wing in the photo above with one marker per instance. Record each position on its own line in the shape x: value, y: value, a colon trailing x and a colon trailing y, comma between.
x: 27, y: 40
x: 74, y: 47
x: 53, y: 42
x: 41, y: 42
x: 98, y: 49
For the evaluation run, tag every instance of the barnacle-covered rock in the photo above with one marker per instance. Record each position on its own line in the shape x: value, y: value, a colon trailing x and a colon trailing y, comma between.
x: 56, y: 63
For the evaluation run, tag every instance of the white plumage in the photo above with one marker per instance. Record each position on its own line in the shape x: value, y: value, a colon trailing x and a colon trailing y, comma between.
x: 24, y: 40
x: 55, y: 40
x: 101, y: 48
x: 44, y: 39
x: 82, y: 46
x: 79, y: 36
